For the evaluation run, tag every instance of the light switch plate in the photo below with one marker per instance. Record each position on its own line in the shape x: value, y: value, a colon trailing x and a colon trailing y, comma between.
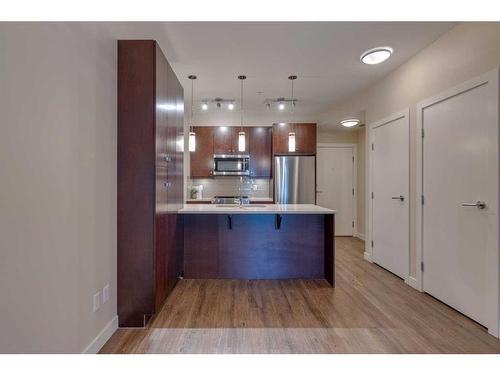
x: 105, y: 294
x: 97, y: 301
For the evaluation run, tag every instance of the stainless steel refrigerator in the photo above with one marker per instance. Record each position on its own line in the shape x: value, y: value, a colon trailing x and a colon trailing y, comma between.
x: 295, y: 179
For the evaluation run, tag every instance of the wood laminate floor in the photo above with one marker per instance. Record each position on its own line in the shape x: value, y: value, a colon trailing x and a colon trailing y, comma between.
x: 370, y: 311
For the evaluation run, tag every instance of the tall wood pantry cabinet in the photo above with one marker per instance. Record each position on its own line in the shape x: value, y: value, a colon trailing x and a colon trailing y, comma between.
x: 150, y: 180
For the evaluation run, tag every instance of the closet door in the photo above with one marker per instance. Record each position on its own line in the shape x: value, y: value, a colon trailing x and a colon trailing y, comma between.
x: 460, y: 189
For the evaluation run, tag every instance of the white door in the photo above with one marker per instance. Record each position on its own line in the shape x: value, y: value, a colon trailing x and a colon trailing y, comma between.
x: 390, y: 198
x: 460, y: 168
x: 335, y: 185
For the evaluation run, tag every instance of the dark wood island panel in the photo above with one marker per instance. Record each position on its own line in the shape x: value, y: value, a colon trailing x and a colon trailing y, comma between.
x: 259, y: 246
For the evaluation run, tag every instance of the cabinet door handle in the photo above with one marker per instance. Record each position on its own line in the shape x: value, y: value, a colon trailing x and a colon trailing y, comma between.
x: 230, y: 221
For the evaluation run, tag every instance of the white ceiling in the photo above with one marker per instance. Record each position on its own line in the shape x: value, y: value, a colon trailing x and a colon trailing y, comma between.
x: 324, y: 55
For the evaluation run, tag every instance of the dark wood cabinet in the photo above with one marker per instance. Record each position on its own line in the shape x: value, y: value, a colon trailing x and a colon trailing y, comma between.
x: 226, y: 140
x: 202, y: 160
x: 223, y: 140
x: 305, y: 138
x: 253, y: 246
x: 260, y: 149
x: 150, y: 181
x: 212, y: 140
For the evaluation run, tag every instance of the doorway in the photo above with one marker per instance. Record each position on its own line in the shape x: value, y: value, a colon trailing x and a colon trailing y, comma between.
x: 336, y: 184
x: 389, y: 220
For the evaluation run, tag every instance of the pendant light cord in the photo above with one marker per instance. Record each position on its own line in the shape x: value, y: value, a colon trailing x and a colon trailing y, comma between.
x: 241, y: 106
x: 192, y: 103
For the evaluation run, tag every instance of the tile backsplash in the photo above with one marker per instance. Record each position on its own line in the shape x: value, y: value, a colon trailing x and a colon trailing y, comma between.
x: 259, y: 187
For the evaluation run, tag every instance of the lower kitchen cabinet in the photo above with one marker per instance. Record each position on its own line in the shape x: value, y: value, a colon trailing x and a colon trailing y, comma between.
x: 259, y: 246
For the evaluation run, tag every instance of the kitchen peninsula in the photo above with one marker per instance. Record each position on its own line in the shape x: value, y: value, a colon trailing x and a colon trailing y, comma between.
x: 273, y: 241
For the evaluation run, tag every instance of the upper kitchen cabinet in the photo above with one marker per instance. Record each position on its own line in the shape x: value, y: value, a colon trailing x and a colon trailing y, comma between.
x: 226, y: 140
x: 305, y: 138
x: 261, y: 149
x: 202, y: 160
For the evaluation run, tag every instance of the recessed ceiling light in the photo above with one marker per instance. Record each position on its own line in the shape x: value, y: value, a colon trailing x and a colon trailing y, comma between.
x: 230, y: 106
x: 376, y: 55
x: 349, y: 123
x: 204, y: 106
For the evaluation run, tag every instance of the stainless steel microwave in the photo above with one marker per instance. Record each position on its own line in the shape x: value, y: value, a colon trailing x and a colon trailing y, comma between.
x: 231, y: 165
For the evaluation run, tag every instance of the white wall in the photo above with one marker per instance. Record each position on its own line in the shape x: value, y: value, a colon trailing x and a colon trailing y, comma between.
x: 464, y: 52
x: 57, y: 185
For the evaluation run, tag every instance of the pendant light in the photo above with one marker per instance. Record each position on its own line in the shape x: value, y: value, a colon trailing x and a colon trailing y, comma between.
x: 241, y: 134
x: 192, y: 135
x: 291, y: 135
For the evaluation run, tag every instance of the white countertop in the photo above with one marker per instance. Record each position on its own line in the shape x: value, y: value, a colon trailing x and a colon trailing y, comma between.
x: 209, y: 200
x: 255, y: 209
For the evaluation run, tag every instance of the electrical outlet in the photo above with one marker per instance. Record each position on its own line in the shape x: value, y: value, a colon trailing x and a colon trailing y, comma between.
x: 97, y: 301
x: 105, y: 294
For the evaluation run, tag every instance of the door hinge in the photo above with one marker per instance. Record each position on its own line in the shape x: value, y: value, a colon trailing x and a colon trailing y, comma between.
x: 422, y: 132
x: 373, y: 147
x: 373, y: 195
x: 353, y: 159
x: 372, y: 243
x: 423, y: 200
x: 352, y: 191
x: 422, y: 266
x: 353, y: 224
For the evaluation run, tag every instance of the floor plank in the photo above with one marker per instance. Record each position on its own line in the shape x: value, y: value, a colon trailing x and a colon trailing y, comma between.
x: 370, y: 311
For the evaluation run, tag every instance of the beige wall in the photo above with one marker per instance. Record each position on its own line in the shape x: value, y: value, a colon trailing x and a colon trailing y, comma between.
x: 58, y: 185
x: 466, y: 51
x: 337, y: 136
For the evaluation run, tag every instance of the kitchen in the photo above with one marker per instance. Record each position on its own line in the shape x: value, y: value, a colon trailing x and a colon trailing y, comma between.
x: 261, y: 187
x: 283, y: 235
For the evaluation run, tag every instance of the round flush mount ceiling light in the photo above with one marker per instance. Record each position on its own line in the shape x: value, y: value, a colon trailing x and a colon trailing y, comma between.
x: 204, y: 106
x: 349, y: 123
x: 230, y: 106
x: 376, y: 55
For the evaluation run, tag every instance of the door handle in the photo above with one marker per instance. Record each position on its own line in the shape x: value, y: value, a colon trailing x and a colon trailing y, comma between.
x: 479, y: 204
x: 401, y: 198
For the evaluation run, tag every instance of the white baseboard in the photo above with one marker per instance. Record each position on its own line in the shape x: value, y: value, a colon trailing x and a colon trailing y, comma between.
x: 495, y: 334
x: 368, y: 257
x: 412, y: 281
x: 360, y: 236
x: 98, y: 342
